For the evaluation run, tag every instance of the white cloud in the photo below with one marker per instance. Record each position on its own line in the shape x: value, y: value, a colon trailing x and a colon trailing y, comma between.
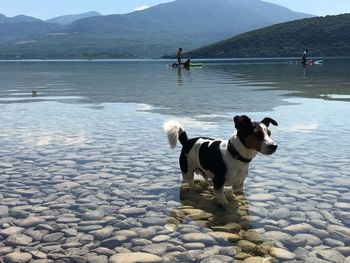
x: 140, y: 8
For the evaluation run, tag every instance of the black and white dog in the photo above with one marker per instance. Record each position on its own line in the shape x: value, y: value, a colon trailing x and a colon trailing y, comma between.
x: 225, y: 162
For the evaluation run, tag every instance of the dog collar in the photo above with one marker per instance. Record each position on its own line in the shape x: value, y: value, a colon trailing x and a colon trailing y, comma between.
x: 235, y: 154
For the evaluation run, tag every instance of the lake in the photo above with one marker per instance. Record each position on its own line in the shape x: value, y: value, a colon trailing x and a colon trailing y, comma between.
x: 87, y: 175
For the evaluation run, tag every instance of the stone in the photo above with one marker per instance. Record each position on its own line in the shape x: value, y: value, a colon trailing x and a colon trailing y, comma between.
x: 199, y: 237
x: 12, y: 230
x: 261, y: 197
x: 226, y: 235
x: 280, y: 213
x: 331, y: 255
x: 136, y: 257
x: 255, y: 260
x: 18, y: 240
x: 52, y: 237
x: 156, y: 249
x: 103, y: 233
x: 160, y: 238
x: 93, y: 215
x: 67, y: 185
x: 96, y: 259
x: 4, y: 211
x: 218, y: 259
x: 311, y: 240
x: 246, y: 246
x: 18, y: 257
x: 298, y: 228
x: 281, y: 254
x: 132, y: 211
x: 31, y: 221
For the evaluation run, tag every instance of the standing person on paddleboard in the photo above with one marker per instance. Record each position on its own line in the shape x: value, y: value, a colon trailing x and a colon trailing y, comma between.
x: 304, y: 58
x: 179, y: 56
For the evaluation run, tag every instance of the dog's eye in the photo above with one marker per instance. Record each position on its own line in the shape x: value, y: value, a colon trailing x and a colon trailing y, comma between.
x: 268, y: 132
x: 259, y: 133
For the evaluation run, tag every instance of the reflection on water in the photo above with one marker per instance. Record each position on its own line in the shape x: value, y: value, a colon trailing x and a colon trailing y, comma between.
x: 81, y: 177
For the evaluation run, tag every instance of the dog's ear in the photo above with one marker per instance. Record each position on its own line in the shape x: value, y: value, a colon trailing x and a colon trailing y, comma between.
x: 242, y: 122
x: 268, y: 120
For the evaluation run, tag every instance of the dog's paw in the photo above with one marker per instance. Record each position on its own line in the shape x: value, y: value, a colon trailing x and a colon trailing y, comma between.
x: 223, y: 201
x: 231, y: 196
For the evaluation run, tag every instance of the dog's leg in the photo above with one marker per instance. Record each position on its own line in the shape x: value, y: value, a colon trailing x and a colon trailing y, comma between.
x: 187, y: 172
x: 219, y: 188
x: 220, y: 196
x: 230, y: 193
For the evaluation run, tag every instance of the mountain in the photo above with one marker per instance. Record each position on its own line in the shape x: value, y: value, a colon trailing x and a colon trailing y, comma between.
x: 323, y: 36
x: 153, y: 32
x: 68, y: 19
x: 24, y: 31
x: 16, y: 19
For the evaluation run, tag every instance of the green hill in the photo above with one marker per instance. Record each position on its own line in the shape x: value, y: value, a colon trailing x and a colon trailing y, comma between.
x: 323, y: 36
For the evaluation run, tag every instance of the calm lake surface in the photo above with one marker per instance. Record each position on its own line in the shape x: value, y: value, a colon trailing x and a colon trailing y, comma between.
x: 86, y: 172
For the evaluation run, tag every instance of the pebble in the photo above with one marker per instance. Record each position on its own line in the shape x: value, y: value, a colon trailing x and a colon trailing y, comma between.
x: 18, y: 240
x: 199, y: 237
x: 281, y: 254
x: 18, y: 257
x: 136, y: 257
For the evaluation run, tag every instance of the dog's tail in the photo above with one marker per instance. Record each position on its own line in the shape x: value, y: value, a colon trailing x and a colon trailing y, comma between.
x: 175, y: 131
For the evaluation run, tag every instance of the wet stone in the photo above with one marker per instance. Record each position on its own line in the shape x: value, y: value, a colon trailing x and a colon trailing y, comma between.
x: 160, y: 238
x: 52, y: 237
x: 246, y: 246
x: 4, y: 211
x: 311, y: 240
x: 132, y: 211
x: 218, y: 259
x: 18, y: 240
x: 199, y: 237
x: 135, y: 258
x: 67, y: 220
x: 298, y: 228
x: 261, y: 197
x: 96, y: 259
x: 102, y: 233
x: 279, y: 213
x: 194, y: 246
x: 12, y: 230
x: 18, y: 257
x: 156, y: 249
x: 331, y: 255
x: 93, y: 215
x: 31, y: 221
x: 281, y: 254
x: 5, y: 250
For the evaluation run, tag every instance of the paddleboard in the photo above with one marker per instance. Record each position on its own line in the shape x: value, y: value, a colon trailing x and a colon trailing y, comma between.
x: 193, y: 65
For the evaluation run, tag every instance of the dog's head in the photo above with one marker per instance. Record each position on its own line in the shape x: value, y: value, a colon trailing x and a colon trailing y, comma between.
x: 255, y: 135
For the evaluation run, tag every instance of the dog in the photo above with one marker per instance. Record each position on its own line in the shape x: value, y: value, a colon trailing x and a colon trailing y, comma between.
x: 225, y: 162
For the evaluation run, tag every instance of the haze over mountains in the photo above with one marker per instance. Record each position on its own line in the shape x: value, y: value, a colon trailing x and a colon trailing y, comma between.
x: 149, y: 33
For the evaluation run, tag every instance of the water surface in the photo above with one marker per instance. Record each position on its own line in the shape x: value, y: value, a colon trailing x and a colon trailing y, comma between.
x: 88, y: 160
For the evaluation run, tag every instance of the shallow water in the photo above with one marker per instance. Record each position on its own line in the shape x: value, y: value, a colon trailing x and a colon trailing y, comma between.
x: 86, y: 170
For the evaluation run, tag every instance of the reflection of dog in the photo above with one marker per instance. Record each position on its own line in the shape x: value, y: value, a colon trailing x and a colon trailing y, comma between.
x: 225, y: 162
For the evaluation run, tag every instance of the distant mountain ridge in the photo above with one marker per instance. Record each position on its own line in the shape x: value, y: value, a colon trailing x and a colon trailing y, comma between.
x: 16, y: 19
x: 151, y: 33
x: 68, y: 19
x: 323, y: 36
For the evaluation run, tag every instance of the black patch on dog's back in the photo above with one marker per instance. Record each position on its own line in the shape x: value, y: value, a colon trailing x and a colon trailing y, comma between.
x: 210, y: 159
x: 186, y: 148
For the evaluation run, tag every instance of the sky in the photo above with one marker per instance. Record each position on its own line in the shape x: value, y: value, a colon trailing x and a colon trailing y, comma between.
x: 45, y: 9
